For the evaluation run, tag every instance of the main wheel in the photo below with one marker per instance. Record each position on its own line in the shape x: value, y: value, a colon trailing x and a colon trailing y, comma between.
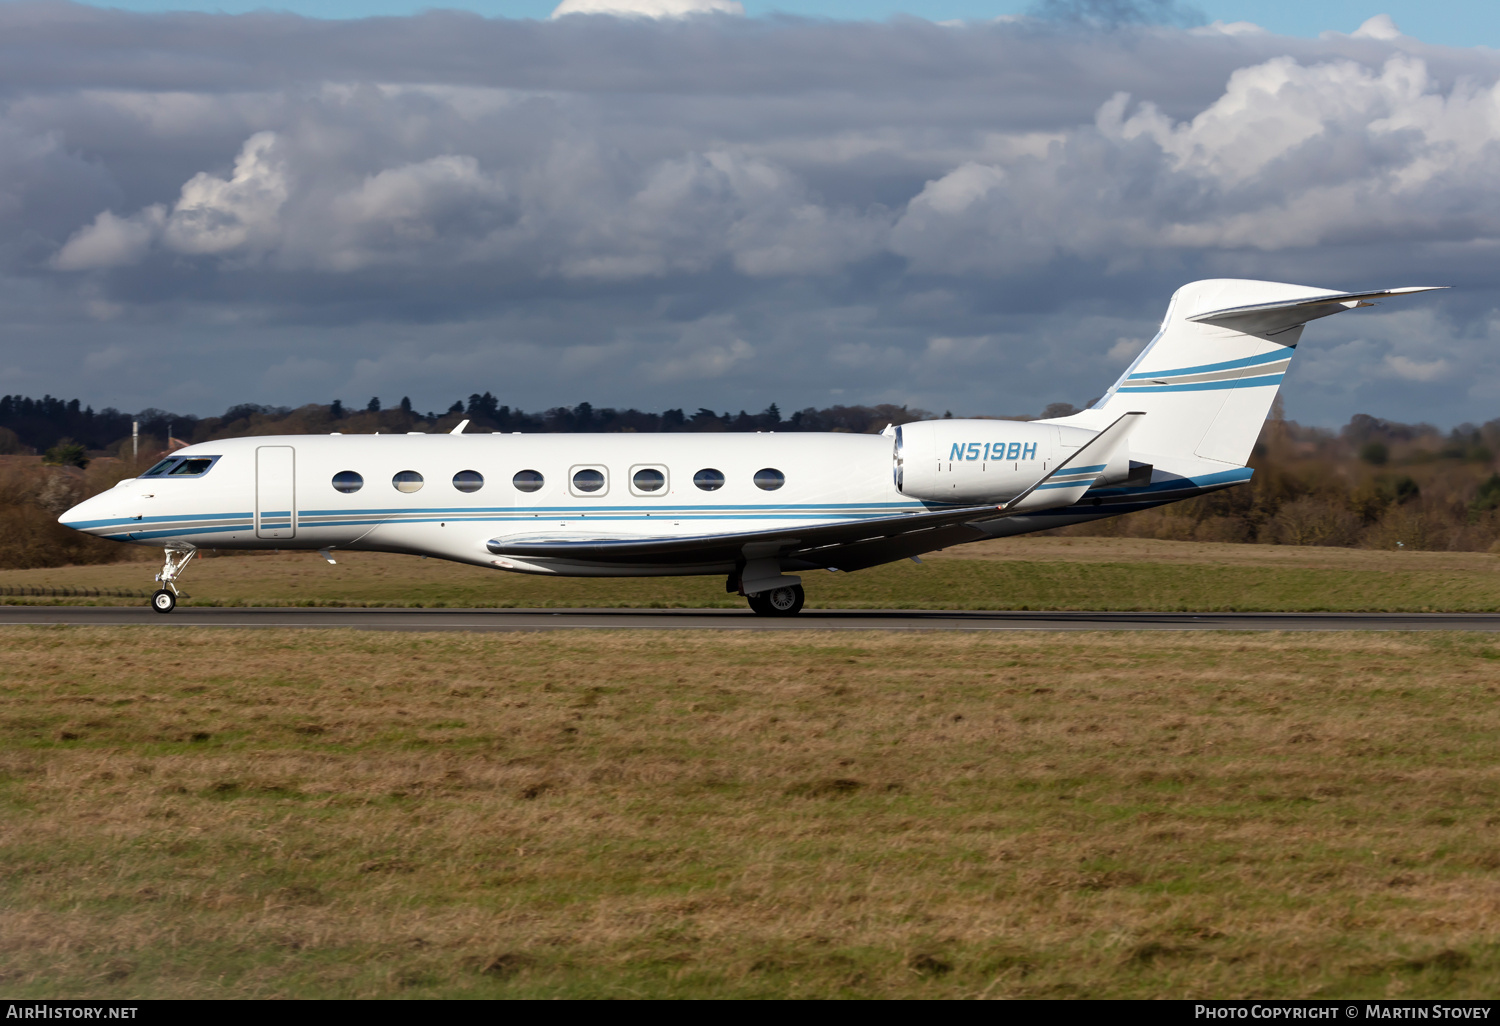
x: 164, y: 601
x: 779, y: 601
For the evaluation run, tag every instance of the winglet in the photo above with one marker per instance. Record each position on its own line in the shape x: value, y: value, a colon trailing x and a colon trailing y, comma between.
x: 1065, y: 483
x: 460, y: 429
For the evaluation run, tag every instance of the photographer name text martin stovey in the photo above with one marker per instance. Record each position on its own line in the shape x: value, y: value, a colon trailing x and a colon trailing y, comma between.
x: 1434, y: 1012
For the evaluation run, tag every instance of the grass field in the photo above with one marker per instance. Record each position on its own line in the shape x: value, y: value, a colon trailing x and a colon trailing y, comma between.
x: 1022, y: 573
x: 302, y: 813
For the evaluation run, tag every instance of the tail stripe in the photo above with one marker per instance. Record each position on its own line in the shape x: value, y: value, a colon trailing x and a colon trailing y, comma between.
x: 1204, y: 386
x: 1276, y: 356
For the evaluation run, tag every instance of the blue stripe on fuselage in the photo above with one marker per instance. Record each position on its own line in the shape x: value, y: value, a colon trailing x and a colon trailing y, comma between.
x: 83, y: 525
x: 853, y: 511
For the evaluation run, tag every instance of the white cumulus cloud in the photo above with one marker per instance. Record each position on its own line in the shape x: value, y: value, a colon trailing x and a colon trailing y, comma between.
x: 216, y: 215
x: 212, y: 217
x: 1406, y: 368
x: 1125, y: 349
x: 1379, y: 27
x: 648, y: 8
x: 1290, y: 156
x: 111, y: 241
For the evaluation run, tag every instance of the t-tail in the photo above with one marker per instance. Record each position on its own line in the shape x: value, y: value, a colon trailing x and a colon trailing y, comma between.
x: 1206, y: 382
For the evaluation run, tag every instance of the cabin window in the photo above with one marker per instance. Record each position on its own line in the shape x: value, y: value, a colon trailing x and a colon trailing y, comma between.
x: 649, y: 480
x: 195, y: 466
x: 709, y: 480
x: 589, y: 480
x: 769, y: 479
x: 348, y: 482
x: 407, y: 481
x: 160, y: 468
x: 528, y: 481
x: 468, y: 480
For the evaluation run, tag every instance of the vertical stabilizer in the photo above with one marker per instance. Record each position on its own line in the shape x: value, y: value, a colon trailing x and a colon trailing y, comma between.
x: 1208, y: 378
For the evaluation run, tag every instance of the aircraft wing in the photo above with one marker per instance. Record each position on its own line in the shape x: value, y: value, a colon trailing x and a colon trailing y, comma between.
x: 803, y: 542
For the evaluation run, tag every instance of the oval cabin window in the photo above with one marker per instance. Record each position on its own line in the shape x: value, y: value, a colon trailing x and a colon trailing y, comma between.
x: 649, y: 480
x: 528, y: 481
x: 407, y: 481
x: 468, y: 480
x: 348, y: 482
x: 588, y: 480
x: 769, y: 479
x: 709, y: 480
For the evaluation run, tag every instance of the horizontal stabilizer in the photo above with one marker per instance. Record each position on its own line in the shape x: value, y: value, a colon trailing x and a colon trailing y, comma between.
x: 1066, y: 482
x: 1273, y: 318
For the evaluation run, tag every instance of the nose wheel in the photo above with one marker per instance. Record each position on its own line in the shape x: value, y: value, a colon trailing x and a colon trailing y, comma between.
x: 778, y: 601
x: 165, y: 598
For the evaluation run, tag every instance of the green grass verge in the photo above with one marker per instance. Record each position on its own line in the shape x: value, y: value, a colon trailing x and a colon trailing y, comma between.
x: 1168, y: 576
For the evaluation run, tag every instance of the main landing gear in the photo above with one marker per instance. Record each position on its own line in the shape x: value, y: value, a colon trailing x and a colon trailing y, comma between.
x: 769, y: 591
x: 778, y: 601
x: 165, y: 599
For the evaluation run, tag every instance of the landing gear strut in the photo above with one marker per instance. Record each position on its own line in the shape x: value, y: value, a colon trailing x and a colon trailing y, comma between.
x: 778, y: 601
x: 165, y: 599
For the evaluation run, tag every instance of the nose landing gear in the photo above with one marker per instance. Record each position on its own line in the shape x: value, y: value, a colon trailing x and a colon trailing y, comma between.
x: 165, y: 599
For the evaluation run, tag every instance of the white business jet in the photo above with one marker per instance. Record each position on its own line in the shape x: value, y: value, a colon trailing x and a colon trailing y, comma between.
x: 757, y: 508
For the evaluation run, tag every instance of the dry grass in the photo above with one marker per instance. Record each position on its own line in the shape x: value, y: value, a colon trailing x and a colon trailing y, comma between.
x: 1022, y: 573
x: 199, y: 813
x: 1050, y: 549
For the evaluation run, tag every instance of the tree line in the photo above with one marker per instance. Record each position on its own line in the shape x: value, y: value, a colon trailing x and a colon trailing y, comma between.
x: 1373, y: 483
x: 28, y: 424
x: 40, y: 425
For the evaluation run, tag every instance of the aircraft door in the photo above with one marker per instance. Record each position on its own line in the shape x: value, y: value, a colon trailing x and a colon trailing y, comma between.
x: 275, y: 492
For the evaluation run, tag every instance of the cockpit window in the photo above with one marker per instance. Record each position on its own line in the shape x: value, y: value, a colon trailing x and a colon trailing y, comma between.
x: 160, y: 468
x: 195, y: 466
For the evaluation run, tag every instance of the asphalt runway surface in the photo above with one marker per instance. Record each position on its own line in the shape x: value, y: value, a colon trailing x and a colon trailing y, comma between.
x: 737, y: 619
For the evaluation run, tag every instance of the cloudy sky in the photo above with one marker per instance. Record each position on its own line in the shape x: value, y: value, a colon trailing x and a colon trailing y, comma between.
x: 828, y: 204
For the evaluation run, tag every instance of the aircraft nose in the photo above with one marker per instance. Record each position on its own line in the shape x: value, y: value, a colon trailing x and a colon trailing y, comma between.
x: 79, y: 516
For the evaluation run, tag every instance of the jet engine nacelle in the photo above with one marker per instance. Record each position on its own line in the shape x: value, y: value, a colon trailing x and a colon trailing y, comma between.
x: 986, y: 460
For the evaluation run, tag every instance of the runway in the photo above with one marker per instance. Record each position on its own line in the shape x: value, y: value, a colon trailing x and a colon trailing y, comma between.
x: 735, y: 619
